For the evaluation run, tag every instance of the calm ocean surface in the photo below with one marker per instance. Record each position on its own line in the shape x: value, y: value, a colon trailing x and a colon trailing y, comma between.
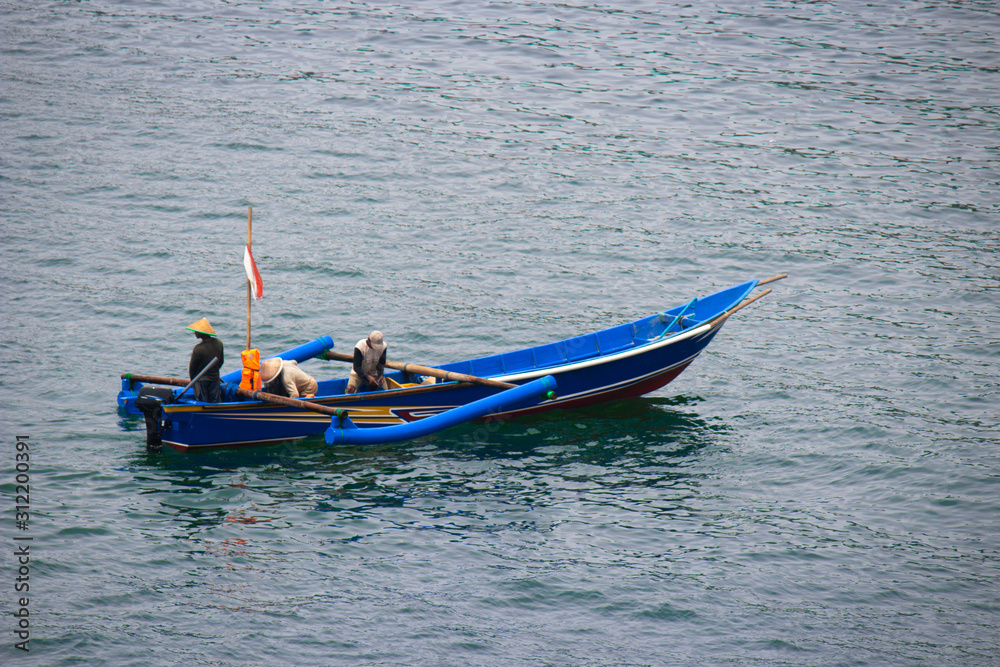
x: 820, y: 487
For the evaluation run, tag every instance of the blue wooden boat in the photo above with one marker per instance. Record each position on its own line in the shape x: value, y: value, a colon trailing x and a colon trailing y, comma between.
x: 621, y: 362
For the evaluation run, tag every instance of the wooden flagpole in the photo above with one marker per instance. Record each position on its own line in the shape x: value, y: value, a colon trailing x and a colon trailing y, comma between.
x: 249, y: 287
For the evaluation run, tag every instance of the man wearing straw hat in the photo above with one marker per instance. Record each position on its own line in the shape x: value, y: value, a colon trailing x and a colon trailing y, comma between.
x: 209, y: 387
x: 285, y: 378
x: 369, y: 364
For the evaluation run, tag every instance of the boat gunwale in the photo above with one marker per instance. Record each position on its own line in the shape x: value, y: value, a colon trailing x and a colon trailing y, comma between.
x: 610, y: 357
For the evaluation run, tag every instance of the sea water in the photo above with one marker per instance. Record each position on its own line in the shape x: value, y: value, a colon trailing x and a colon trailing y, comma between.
x: 819, y: 488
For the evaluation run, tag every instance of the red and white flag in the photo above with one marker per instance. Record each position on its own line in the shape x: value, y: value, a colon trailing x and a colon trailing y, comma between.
x: 253, y: 275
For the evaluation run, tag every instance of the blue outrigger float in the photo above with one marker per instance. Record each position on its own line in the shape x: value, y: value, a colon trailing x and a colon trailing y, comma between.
x: 624, y: 361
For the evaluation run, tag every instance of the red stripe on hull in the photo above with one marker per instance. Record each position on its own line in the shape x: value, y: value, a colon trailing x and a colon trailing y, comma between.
x: 630, y: 391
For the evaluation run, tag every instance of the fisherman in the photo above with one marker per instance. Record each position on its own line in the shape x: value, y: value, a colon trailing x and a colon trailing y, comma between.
x: 285, y: 378
x: 208, y: 388
x: 369, y: 364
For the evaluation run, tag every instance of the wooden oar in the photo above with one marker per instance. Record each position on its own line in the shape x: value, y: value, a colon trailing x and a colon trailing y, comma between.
x: 424, y: 370
x: 725, y: 316
x: 771, y: 279
x: 256, y: 395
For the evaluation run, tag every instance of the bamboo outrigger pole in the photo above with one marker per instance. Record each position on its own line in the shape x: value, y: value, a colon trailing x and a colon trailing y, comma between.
x: 249, y: 241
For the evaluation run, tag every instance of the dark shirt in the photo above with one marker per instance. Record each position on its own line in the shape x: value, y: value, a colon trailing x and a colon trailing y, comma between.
x: 276, y: 385
x: 359, y: 359
x: 202, y: 354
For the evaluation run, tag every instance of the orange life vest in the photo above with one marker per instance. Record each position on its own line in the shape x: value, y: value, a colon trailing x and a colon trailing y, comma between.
x: 251, y: 370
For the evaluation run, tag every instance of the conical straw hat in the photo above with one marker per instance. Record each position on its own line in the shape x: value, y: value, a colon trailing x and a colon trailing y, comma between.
x: 202, y: 326
x: 269, y: 368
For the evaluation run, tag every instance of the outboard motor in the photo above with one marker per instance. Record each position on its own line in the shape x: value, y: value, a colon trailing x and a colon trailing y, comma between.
x: 150, y: 402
